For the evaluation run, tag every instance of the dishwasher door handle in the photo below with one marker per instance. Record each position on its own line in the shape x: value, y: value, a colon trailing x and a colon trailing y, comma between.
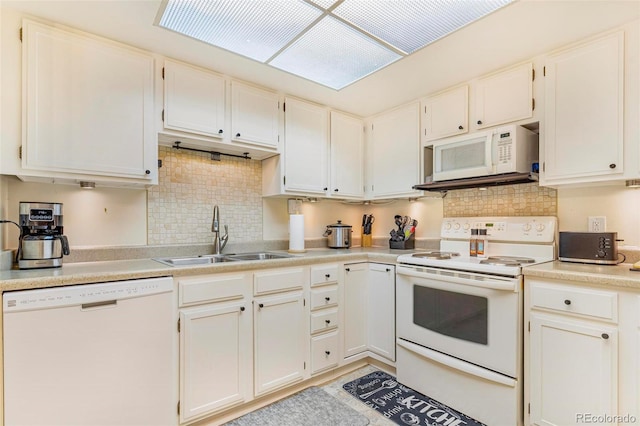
x: 97, y: 305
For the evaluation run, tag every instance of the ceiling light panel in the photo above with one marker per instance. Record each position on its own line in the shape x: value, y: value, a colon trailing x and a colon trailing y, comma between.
x: 334, y: 54
x: 325, y: 4
x: 409, y: 25
x: 256, y: 29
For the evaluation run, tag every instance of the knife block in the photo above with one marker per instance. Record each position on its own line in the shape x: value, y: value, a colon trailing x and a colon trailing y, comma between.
x: 366, y: 239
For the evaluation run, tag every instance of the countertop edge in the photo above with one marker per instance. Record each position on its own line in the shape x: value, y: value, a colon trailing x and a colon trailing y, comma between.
x: 619, y: 275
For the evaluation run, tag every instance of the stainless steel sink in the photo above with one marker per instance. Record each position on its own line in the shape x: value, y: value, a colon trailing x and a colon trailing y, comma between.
x: 193, y: 260
x: 217, y: 258
x: 258, y: 256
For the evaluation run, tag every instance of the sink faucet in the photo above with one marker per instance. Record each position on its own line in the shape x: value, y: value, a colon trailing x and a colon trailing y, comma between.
x: 215, y: 228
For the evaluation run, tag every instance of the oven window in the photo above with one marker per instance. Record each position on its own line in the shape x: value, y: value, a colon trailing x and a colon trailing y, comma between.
x: 458, y: 315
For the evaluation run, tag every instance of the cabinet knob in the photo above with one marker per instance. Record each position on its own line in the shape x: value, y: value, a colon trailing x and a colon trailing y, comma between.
x: 327, y: 299
x: 261, y: 305
x: 327, y: 321
x: 388, y: 269
x: 237, y: 135
x: 327, y: 353
x: 605, y: 336
x: 460, y: 127
x: 147, y: 172
x: 327, y: 276
x: 325, y: 188
x: 567, y: 302
x: 241, y: 308
x: 347, y: 269
x: 335, y: 190
x: 479, y: 121
x: 220, y: 132
x: 612, y: 166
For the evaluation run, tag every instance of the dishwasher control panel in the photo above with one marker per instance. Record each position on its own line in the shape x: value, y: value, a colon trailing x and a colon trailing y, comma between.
x: 85, y: 295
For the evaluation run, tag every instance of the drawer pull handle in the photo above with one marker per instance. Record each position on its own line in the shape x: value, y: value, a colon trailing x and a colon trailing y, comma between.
x: 347, y: 269
x: 605, y: 336
x: 388, y: 269
x: 327, y: 321
x: 327, y: 299
x: 327, y: 353
x: 327, y: 276
x: 241, y: 308
x: 567, y: 302
x: 261, y: 305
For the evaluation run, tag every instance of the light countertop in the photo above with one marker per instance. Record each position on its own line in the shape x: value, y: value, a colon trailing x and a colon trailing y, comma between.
x: 605, y: 275
x: 115, y: 270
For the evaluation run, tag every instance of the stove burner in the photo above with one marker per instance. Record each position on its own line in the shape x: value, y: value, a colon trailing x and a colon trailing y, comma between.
x: 506, y: 260
x: 439, y: 255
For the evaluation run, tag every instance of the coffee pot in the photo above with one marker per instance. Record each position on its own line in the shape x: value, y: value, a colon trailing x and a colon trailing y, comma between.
x: 42, y: 243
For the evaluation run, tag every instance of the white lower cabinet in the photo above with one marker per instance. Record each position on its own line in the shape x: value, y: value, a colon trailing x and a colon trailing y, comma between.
x: 579, y: 354
x: 280, y: 328
x: 215, y: 344
x: 369, y: 309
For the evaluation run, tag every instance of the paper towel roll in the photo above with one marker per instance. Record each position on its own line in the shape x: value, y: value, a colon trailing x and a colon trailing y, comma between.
x: 296, y: 233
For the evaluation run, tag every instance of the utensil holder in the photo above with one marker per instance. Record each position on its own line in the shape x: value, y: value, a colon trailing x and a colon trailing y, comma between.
x: 408, y: 244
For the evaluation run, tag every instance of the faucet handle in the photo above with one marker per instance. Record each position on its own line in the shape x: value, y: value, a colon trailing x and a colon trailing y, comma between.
x: 225, y: 237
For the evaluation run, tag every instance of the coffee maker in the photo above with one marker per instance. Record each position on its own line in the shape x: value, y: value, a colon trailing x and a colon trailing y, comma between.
x: 41, y: 244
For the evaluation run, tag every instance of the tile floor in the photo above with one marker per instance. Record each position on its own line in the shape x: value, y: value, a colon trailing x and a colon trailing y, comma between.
x: 335, y: 388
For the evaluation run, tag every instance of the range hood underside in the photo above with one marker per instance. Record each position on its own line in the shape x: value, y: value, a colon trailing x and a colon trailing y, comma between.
x: 478, y: 182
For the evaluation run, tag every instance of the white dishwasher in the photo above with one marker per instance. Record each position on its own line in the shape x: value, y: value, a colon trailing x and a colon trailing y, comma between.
x: 94, y: 354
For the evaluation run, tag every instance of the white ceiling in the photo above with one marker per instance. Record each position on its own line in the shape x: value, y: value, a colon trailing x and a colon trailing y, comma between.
x: 518, y: 32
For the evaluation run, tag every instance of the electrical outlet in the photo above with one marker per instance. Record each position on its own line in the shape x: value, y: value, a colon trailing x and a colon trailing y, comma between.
x: 597, y: 223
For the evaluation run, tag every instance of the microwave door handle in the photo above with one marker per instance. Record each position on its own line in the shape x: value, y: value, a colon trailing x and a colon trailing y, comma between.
x: 491, y: 155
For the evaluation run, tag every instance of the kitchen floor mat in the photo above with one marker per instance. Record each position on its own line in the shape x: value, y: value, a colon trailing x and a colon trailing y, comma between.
x: 312, y: 406
x: 403, y: 405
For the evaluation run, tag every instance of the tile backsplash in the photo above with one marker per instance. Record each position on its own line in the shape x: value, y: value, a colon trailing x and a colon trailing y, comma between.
x: 180, y: 207
x: 510, y: 200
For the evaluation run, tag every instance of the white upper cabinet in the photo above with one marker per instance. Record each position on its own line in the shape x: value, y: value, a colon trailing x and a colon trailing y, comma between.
x: 254, y: 115
x: 504, y: 97
x: 584, y: 108
x: 445, y: 114
x: 347, y: 156
x: 306, y: 151
x: 88, y: 109
x: 194, y: 100
x: 394, y: 157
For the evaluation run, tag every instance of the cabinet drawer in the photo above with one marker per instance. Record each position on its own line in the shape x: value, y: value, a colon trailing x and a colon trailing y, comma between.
x: 323, y: 297
x: 212, y: 288
x: 278, y: 280
x: 324, y: 320
x: 324, y: 274
x: 580, y: 301
x: 324, y: 351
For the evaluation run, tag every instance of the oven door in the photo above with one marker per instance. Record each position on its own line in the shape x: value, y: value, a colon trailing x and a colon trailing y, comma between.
x: 474, y: 317
x: 463, y: 157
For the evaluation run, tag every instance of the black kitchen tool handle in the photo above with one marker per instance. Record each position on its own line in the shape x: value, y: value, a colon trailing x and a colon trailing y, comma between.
x: 65, y: 245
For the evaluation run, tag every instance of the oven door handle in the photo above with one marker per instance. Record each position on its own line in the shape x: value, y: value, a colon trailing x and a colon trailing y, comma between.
x: 455, y: 277
x: 458, y: 364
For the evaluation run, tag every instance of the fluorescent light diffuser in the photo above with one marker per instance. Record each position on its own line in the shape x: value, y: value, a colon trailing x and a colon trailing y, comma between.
x: 334, y: 48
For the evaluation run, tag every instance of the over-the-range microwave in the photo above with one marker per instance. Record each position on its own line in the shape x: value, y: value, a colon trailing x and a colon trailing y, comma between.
x: 507, y: 149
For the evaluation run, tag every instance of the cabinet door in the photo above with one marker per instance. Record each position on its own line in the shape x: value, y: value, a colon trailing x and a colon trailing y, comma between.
x: 573, y: 370
x: 583, y: 127
x: 395, y: 152
x: 306, y: 147
x: 193, y: 100
x: 88, y: 105
x: 215, y: 358
x: 254, y: 115
x: 446, y: 114
x: 281, y: 341
x: 355, y: 309
x: 347, y: 156
x: 504, y: 97
x: 381, y: 316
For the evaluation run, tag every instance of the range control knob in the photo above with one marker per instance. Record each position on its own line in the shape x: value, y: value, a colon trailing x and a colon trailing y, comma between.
x: 447, y: 226
x: 540, y: 227
x: 456, y: 226
x: 526, y: 227
x: 466, y: 226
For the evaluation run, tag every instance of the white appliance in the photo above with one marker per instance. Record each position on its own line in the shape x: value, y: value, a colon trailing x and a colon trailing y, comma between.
x: 508, y: 149
x: 96, y: 354
x: 460, y: 318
